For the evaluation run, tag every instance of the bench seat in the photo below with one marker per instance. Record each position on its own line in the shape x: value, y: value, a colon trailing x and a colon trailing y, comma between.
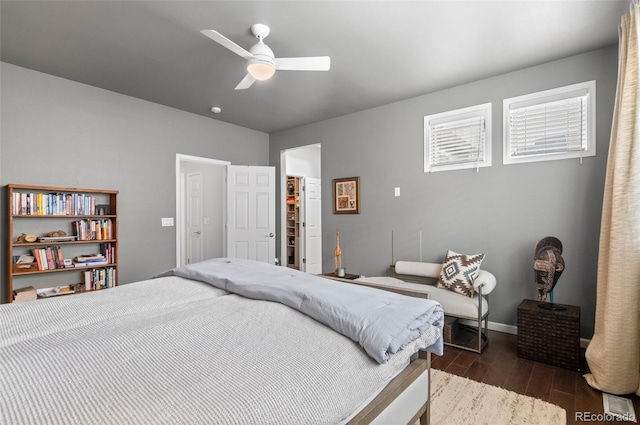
x: 453, y: 304
x: 423, y: 276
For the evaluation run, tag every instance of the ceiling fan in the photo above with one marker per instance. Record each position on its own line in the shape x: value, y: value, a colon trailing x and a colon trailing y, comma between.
x: 261, y: 62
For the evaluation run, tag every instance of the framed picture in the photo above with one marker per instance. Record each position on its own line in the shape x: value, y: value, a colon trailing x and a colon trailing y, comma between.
x: 103, y: 209
x: 346, y: 195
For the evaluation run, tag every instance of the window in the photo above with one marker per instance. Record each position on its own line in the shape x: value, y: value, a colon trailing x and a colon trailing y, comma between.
x: 458, y: 139
x: 548, y: 125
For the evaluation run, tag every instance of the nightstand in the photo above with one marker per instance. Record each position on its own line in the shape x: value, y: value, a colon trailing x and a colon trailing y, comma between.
x: 549, y: 336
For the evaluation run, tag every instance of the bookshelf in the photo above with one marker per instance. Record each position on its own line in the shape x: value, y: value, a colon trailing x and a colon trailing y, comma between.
x: 89, y: 220
x: 293, y: 222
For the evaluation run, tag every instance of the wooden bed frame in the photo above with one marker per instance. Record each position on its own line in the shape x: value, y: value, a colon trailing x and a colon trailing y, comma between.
x: 394, y: 388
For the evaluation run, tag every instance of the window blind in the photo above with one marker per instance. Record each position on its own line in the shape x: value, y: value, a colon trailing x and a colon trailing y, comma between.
x: 548, y: 128
x: 457, y: 142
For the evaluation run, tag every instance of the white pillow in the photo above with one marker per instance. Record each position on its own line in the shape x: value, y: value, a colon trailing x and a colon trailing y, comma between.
x: 415, y: 268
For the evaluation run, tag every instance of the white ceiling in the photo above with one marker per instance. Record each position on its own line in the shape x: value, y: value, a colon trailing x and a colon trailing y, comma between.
x: 381, y: 51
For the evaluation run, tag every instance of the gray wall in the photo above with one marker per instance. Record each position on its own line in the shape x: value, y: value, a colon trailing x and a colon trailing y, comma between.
x: 501, y: 211
x: 61, y: 133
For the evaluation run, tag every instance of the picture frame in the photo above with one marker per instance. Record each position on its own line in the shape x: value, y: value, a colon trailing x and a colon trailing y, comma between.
x: 346, y: 195
x: 103, y: 209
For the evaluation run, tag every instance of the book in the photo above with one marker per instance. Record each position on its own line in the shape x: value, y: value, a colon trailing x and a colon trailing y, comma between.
x: 54, y: 254
x: 24, y: 290
x: 36, y: 254
x: 25, y: 294
x: 25, y: 259
x: 50, y: 263
x: 89, y: 257
x: 24, y: 262
x: 43, y: 258
x: 23, y: 203
x: 29, y: 297
x: 90, y: 260
x: 89, y: 263
x: 87, y: 281
x: 60, y: 257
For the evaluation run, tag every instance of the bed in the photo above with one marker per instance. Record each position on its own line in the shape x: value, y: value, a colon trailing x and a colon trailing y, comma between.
x: 225, y: 341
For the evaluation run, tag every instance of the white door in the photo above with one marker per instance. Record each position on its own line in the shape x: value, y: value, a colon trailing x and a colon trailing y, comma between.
x: 312, y: 255
x: 194, y: 217
x: 251, y: 213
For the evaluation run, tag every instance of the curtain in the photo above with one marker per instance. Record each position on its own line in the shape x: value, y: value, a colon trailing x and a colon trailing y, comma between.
x: 614, y: 352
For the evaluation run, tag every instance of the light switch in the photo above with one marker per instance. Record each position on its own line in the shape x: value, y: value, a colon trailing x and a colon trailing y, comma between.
x: 167, y: 221
x: 397, y: 191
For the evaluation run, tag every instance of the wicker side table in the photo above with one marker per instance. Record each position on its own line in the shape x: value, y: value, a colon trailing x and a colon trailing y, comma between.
x: 549, y: 336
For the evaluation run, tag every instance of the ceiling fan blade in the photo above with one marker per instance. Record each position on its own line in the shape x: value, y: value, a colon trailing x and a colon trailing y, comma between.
x: 246, y: 82
x: 221, y: 39
x: 317, y: 63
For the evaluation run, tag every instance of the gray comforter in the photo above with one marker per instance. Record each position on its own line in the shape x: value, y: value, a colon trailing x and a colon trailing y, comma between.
x: 381, y: 322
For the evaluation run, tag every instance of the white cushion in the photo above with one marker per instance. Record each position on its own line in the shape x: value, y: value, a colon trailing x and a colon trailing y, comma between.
x: 416, y: 268
x: 452, y: 303
x: 455, y: 304
x: 487, y: 280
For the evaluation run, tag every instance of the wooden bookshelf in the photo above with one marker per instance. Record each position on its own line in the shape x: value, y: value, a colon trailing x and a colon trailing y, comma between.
x: 89, y: 215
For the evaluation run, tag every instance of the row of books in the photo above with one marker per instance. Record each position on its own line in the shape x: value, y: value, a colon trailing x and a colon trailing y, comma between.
x: 89, y: 230
x: 96, y: 279
x: 53, y: 204
x: 51, y: 258
x: 48, y: 258
x: 108, y: 251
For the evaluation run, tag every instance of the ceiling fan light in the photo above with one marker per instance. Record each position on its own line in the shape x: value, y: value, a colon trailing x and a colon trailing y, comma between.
x: 261, y: 70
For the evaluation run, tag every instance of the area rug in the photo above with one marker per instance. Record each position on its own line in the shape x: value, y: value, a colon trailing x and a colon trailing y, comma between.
x: 456, y: 400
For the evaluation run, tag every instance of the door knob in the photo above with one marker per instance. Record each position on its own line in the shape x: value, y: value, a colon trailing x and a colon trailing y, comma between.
x: 270, y: 235
x: 198, y: 232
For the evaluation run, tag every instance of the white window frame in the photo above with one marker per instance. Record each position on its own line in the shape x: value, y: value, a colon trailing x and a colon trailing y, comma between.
x: 585, y: 93
x: 482, y: 112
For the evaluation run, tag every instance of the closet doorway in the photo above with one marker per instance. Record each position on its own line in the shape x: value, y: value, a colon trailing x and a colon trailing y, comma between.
x: 301, y: 206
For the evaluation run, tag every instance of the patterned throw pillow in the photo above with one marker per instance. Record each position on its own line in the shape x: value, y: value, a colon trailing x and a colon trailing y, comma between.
x: 459, y: 271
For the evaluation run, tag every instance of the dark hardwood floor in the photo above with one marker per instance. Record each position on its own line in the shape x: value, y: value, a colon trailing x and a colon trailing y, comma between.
x: 500, y: 365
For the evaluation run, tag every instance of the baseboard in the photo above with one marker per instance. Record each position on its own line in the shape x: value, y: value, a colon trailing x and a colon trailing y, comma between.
x: 501, y: 327
x: 510, y: 329
x: 494, y: 326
